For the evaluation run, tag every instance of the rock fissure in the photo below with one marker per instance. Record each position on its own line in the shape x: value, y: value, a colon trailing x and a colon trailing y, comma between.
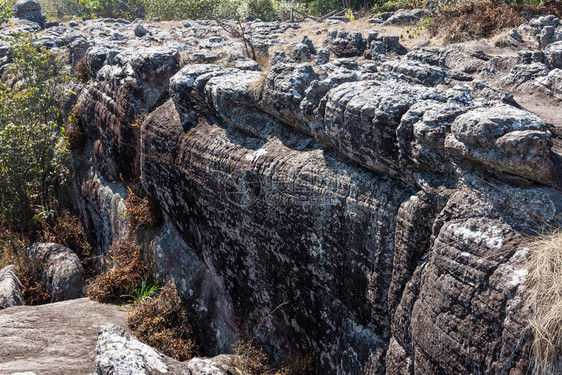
x: 383, y: 193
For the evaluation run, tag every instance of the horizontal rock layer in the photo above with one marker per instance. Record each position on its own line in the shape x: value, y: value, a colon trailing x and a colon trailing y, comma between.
x: 371, y: 213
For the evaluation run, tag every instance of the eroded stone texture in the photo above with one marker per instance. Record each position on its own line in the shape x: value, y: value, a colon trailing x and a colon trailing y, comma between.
x: 11, y: 292
x: 387, y: 210
x: 62, y: 274
x: 128, y: 83
x: 120, y: 353
x: 53, y: 339
x: 336, y: 298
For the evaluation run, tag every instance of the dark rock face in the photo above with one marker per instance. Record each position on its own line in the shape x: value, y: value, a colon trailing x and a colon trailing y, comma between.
x: 297, y: 257
x: 136, y: 81
x: 62, y: 272
x: 380, y: 204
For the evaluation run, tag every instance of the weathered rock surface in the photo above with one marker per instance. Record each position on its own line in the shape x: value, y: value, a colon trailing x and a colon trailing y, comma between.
x: 11, y: 292
x: 382, y: 194
x: 62, y: 274
x: 53, y: 339
x: 119, y: 353
x: 30, y: 10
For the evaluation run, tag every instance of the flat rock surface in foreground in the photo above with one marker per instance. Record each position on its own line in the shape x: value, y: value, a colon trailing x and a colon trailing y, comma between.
x: 58, y: 338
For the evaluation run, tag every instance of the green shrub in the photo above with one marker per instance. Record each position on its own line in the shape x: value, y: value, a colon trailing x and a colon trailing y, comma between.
x: 262, y: 9
x: 181, y: 9
x: 32, y: 144
x: 321, y: 7
x: 5, y: 11
x: 128, y: 9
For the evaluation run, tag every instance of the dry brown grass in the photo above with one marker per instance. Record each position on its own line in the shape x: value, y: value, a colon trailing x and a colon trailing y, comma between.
x: 81, y: 70
x: 249, y: 359
x: 29, y: 271
x: 126, y: 272
x: 475, y: 20
x: 256, y: 87
x: 141, y: 213
x: 161, y: 322
x: 544, y: 281
x: 67, y: 229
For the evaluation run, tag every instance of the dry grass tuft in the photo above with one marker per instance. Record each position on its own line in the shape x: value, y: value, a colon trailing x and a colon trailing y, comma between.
x: 256, y: 87
x: 81, y: 70
x: 126, y: 272
x: 475, y: 20
x: 161, y: 322
x: 251, y: 360
x: 545, y: 283
x: 142, y: 213
x: 29, y: 271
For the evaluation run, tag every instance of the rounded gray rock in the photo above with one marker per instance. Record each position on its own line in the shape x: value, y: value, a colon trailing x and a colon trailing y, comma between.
x: 62, y: 272
x: 11, y: 293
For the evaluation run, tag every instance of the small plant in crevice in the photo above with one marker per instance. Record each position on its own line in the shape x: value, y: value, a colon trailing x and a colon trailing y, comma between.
x: 81, y: 70
x: 125, y: 271
x: 251, y: 359
x: 74, y: 133
x: 161, y: 322
x: 143, y: 293
x: 141, y: 213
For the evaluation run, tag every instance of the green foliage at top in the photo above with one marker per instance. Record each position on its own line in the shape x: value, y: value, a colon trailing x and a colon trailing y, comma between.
x: 5, y: 11
x: 32, y: 145
x: 128, y: 9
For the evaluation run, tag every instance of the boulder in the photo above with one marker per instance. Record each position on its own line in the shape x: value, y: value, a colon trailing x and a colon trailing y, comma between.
x: 404, y: 17
x: 345, y: 43
x: 30, y: 10
x: 140, y: 31
x: 11, y: 291
x: 62, y: 274
x: 119, y: 353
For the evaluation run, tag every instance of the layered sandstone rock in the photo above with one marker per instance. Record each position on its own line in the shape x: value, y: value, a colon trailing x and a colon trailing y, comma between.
x: 381, y: 204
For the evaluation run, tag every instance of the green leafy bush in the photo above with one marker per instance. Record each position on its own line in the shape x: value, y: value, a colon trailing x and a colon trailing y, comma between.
x: 262, y: 9
x: 181, y: 9
x: 128, y: 9
x: 5, y: 11
x: 321, y: 7
x: 32, y: 143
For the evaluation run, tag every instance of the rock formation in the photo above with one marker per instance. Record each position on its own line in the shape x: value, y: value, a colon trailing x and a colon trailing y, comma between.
x: 11, y: 293
x: 118, y: 353
x: 381, y: 196
x: 30, y: 10
x: 62, y: 272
